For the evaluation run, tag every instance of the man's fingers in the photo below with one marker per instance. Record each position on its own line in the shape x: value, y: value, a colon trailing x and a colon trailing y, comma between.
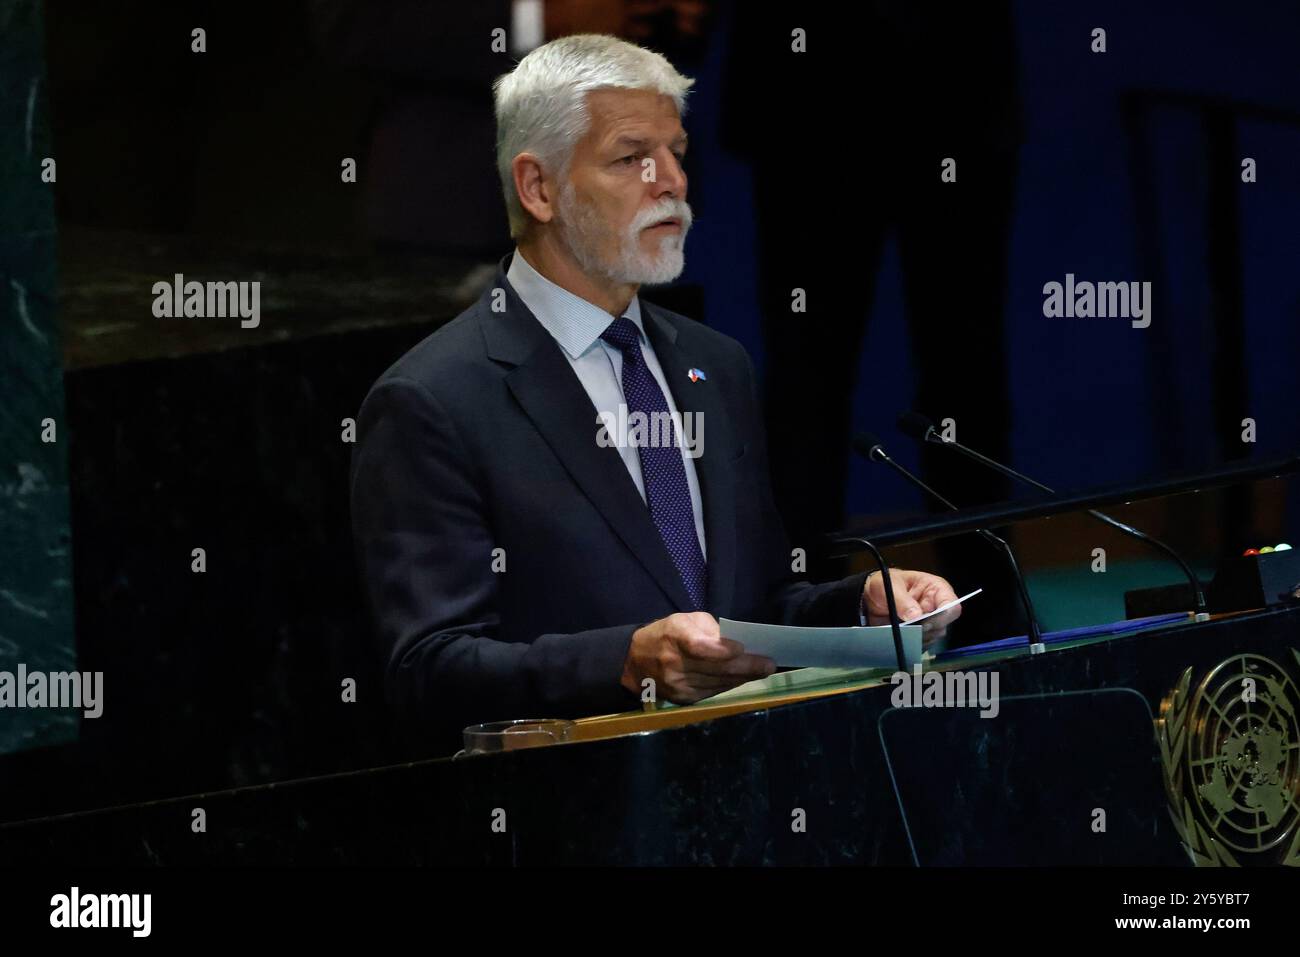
x: 705, y: 686
x: 908, y: 607
x: 693, y: 686
x: 943, y: 594
x: 942, y: 620
x: 704, y: 623
x: 712, y: 647
x: 915, y: 594
x: 709, y: 684
x: 745, y: 667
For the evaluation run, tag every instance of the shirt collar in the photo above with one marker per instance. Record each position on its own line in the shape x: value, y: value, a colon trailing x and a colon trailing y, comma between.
x: 572, y: 321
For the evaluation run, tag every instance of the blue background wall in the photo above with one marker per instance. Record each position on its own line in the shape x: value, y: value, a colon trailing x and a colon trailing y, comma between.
x: 1094, y: 402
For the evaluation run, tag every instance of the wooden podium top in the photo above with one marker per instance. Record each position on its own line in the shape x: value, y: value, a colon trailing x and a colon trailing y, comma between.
x: 786, y: 687
x: 803, y: 684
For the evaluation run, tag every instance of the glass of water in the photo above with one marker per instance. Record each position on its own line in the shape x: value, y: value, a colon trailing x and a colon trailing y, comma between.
x: 515, y: 735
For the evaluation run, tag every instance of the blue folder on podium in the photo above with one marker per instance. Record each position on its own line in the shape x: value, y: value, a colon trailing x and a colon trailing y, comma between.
x: 1067, y: 634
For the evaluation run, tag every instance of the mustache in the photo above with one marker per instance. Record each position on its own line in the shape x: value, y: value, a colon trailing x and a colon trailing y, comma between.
x: 666, y: 208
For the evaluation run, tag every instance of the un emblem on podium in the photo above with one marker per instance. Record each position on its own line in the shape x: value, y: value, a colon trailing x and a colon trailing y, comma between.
x: 1230, y: 751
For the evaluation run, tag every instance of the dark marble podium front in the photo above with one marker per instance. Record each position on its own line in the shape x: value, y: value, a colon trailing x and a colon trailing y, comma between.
x: 871, y: 784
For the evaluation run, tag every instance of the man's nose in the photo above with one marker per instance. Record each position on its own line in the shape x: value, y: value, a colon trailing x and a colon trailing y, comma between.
x: 670, y: 178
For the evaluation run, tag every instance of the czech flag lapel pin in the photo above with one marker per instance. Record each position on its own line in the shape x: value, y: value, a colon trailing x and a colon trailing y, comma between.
x: 696, y: 375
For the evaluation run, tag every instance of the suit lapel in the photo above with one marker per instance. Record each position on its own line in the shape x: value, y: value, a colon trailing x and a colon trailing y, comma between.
x: 551, y: 396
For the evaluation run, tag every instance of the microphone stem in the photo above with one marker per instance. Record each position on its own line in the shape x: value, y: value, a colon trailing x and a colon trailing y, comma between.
x: 890, y: 604
x: 1198, y: 594
x: 1035, y: 633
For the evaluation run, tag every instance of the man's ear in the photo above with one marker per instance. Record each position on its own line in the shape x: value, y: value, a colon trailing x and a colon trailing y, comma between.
x: 536, y: 193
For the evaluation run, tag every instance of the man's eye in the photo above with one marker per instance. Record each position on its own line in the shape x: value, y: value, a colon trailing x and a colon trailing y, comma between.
x: 627, y: 160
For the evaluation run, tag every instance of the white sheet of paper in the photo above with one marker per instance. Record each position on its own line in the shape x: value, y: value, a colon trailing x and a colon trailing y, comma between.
x: 955, y: 601
x: 853, y: 647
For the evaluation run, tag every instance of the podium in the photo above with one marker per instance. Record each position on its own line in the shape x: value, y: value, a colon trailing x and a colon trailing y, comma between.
x: 1173, y: 745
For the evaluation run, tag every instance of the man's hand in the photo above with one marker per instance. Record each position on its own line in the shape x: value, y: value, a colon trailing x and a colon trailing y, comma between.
x: 688, y: 659
x: 915, y: 594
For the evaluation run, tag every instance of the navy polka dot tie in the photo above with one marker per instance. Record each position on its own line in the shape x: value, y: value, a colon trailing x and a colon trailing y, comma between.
x: 667, y: 493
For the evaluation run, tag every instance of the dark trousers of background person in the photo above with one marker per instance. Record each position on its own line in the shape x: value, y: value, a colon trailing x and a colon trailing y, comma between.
x: 846, y: 143
x: 952, y: 249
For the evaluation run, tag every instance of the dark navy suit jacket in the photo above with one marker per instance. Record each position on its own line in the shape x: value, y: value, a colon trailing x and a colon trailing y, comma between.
x: 482, y: 438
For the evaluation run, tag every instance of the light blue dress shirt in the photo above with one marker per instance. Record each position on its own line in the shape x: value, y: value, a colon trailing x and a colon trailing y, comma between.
x: 576, y: 325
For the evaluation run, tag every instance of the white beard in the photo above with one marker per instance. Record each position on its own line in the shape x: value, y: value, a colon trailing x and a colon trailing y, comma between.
x: 586, y: 234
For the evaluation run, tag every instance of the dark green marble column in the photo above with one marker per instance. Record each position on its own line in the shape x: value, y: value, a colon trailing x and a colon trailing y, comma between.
x: 35, y: 562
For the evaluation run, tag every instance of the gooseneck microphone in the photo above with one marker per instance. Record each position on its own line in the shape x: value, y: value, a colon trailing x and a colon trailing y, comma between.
x: 917, y: 426
x: 869, y: 447
x: 890, y: 604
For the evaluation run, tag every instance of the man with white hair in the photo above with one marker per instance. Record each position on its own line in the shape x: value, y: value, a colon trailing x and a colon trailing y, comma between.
x: 529, y: 547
